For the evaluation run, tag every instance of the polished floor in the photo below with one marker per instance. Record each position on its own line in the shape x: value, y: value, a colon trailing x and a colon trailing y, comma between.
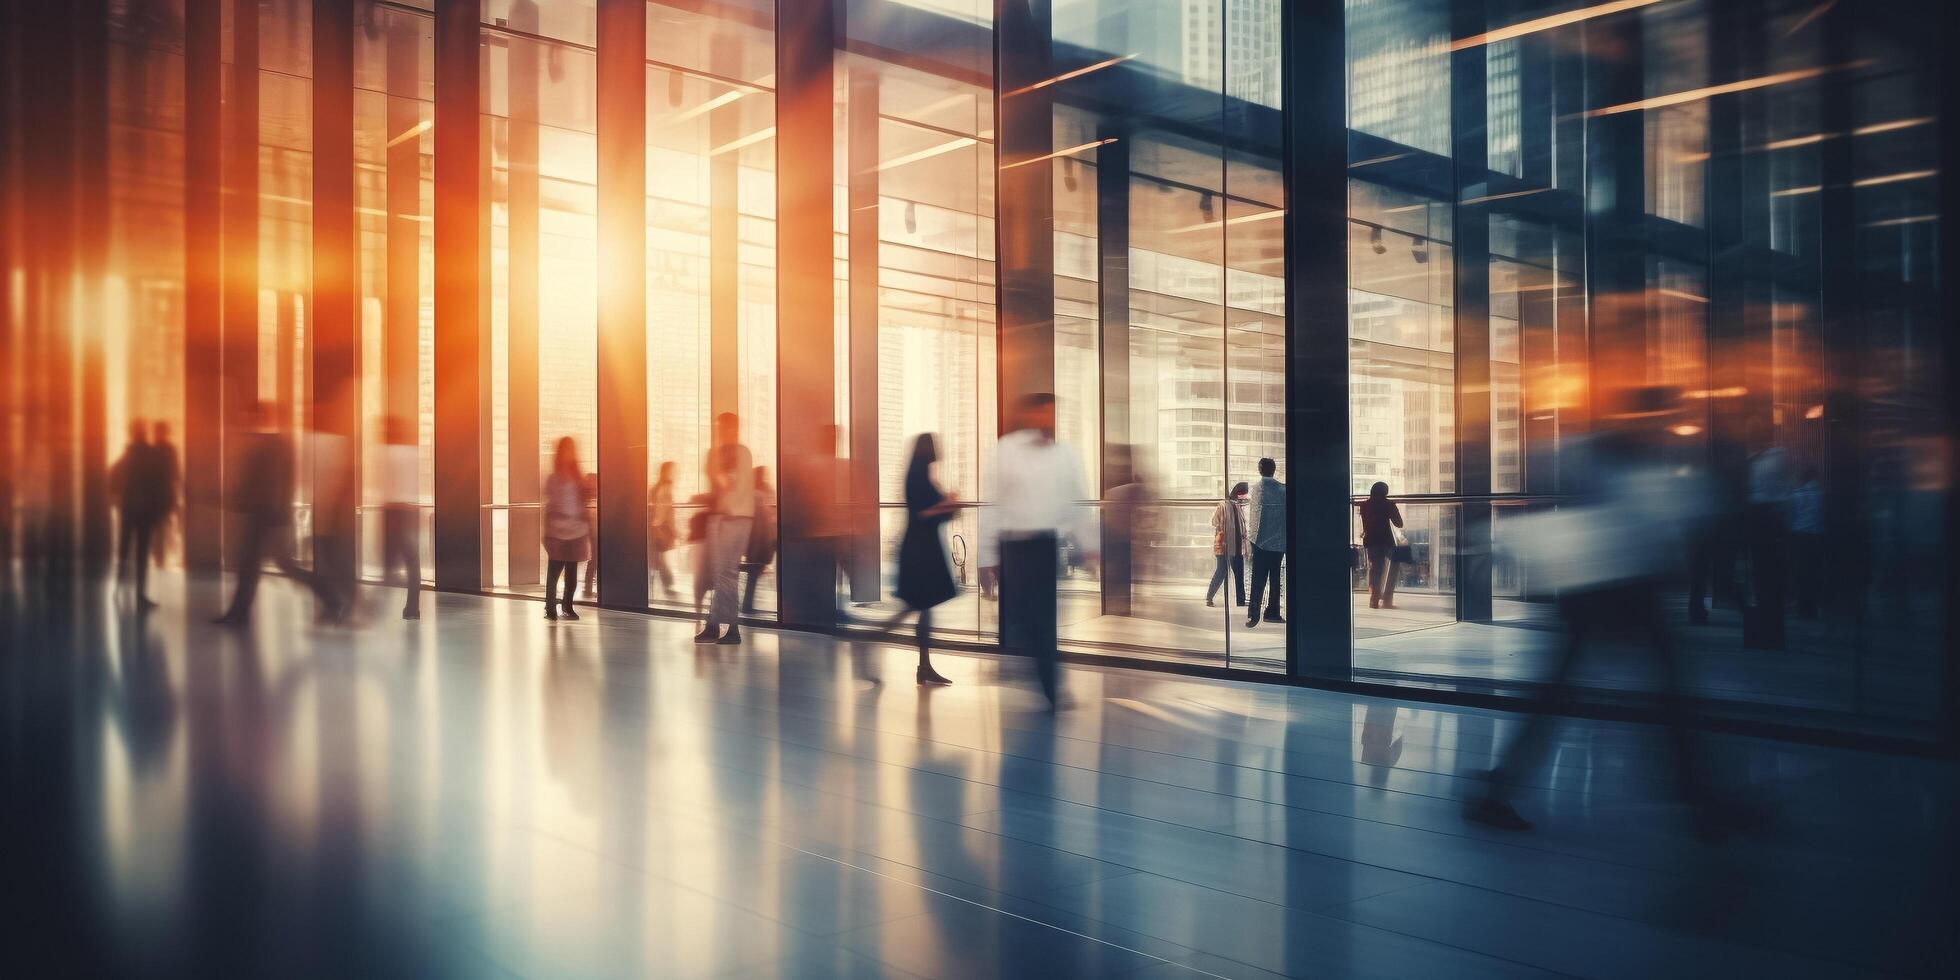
x: 484, y: 794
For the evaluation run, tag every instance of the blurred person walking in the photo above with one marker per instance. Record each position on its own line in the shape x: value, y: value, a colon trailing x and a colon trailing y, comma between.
x: 262, y: 494
x: 137, y: 480
x: 1228, y: 543
x: 1379, y: 518
x: 567, y: 534
x: 1038, y: 494
x: 401, y: 512
x: 1607, y: 552
x: 1768, y: 531
x: 588, y: 497
x: 1266, y: 527
x: 925, y: 576
x: 662, y: 533
x: 169, y: 475
x: 730, y: 472
x: 761, y: 551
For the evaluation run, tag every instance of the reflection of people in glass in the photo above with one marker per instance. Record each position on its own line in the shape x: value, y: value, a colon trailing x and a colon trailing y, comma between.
x: 1037, y: 499
x: 1379, y: 518
x: 567, y: 534
x: 730, y: 472
x: 761, y: 550
x: 1807, y: 542
x: 1265, y: 525
x: 401, y: 512
x: 1768, y: 529
x: 662, y: 533
x: 1228, y: 543
x: 925, y: 577
x: 262, y: 492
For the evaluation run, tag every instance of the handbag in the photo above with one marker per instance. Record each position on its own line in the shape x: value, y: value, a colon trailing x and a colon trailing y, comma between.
x: 1402, y: 553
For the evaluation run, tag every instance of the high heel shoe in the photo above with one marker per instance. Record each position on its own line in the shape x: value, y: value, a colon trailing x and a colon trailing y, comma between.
x: 931, y: 678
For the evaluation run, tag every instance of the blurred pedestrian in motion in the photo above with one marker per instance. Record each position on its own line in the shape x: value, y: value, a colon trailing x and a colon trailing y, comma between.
x: 1266, y: 525
x: 1607, y: 552
x: 567, y: 534
x: 1768, y: 529
x: 262, y: 494
x: 1379, y: 518
x: 1228, y: 543
x: 137, y: 481
x: 170, y: 481
x: 662, y: 533
x: 925, y: 576
x: 820, y: 509
x: 334, y: 489
x: 730, y: 472
x: 761, y: 551
x: 1037, y: 499
x: 401, y: 512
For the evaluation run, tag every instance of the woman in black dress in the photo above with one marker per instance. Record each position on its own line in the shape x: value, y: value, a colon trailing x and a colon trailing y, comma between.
x: 925, y: 578
x: 1378, y: 516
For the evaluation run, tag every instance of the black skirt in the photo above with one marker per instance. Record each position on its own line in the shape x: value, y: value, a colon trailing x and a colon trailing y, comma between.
x: 925, y: 577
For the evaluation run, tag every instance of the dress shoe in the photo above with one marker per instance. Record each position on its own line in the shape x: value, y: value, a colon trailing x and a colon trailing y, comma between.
x: 931, y: 678
x: 732, y: 637
x: 708, y: 634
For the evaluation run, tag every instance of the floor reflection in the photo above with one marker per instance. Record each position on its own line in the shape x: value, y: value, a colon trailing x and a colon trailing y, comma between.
x: 483, y: 793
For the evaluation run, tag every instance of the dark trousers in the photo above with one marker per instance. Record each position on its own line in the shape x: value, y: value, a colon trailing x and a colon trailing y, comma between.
x: 400, y: 549
x: 1265, y: 567
x: 1027, y: 604
x: 1636, y: 609
x: 1762, y: 623
x: 1808, y: 557
x: 1236, y: 564
x: 258, y: 540
x: 569, y: 569
x: 133, y: 546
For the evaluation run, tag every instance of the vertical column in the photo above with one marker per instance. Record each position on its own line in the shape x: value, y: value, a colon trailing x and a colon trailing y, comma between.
x: 9, y: 254
x: 240, y: 209
x: 48, y: 201
x: 203, y: 526
x: 332, y: 329
x: 458, y: 340
x: 1313, y: 47
x: 1470, y: 155
x: 863, y: 159
x: 622, y: 303
x: 401, y: 330
x: 1026, y: 199
x: 526, y: 527
x: 1738, y: 230
x: 806, y: 326
x: 1113, y: 304
x: 1537, y: 299
x: 725, y: 245
x: 1949, y: 279
x: 1616, y: 254
x: 91, y: 68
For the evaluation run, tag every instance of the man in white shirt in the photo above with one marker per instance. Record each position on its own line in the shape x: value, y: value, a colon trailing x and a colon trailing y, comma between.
x: 730, y: 472
x: 1037, y: 496
x: 401, y: 495
x: 1265, y: 529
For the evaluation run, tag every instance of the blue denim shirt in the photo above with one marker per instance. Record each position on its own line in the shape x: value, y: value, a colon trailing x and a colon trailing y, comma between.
x: 1266, y: 515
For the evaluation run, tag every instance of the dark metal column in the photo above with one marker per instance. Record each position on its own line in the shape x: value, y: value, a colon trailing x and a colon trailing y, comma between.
x: 50, y: 314
x: 203, y: 457
x: 806, y: 325
x: 526, y: 522
x: 622, y: 356
x: 1470, y: 154
x: 862, y: 156
x: 10, y: 251
x: 725, y: 247
x: 241, y: 233
x: 1025, y: 198
x: 1616, y: 212
x: 458, y: 343
x: 91, y: 121
x: 1319, y: 640
x: 1113, y: 307
x: 1949, y: 279
x: 333, y: 331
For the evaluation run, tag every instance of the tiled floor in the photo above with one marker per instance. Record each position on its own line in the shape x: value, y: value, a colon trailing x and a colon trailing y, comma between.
x: 486, y: 794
